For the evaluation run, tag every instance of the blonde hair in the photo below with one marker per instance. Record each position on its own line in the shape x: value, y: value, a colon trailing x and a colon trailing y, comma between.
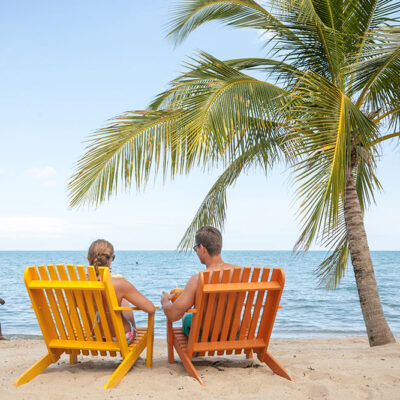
x: 99, y: 253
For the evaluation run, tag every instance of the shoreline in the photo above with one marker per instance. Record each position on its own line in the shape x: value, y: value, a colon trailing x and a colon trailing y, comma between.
x: 324, y: 368
x: 341, y: 335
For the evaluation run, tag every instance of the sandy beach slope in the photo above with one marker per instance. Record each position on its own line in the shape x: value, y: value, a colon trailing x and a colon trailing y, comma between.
x: 337, y: 368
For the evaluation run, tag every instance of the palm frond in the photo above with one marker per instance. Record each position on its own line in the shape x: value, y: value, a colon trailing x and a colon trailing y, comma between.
x: 212, y: 210
x: 317, y: 24
x: 324, y: 122
x: 223, y: 107
x: 377, y: 78
x: 333, y: 269
x: 127, y: 149
x: 362, y: 17
x: 236, y: 13
x: 213, y: 113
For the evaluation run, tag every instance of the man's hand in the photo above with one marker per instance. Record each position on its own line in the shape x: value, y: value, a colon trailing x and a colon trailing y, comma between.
x: 175, y: 311
x: 165, y: 298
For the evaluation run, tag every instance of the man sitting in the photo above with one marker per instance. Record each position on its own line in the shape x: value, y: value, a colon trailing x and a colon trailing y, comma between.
x: 208, y: 246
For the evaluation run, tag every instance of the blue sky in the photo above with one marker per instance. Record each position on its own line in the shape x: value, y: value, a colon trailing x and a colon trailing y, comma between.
x: 68, y: 66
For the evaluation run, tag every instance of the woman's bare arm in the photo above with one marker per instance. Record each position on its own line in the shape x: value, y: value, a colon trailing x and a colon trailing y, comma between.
x: 125, y: 290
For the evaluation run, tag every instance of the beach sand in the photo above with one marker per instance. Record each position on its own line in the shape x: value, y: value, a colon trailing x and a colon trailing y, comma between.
x: 335, y: 368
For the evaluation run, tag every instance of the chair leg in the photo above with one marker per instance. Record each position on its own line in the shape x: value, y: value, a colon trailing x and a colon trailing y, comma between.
x: 125, y: 366
x: 187, y: 363
x: 275, y: 366
x: 190, y: 369
x: 170, y: 342
x: 73, y: 358
x: 36, y: 369
x: 149, y: 353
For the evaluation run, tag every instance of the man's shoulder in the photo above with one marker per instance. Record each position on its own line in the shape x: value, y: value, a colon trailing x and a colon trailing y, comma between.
x: 226, y: 265
x: 194, y: 278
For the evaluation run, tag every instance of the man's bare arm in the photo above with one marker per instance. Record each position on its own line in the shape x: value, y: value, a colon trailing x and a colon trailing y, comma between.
x: 175, y: 311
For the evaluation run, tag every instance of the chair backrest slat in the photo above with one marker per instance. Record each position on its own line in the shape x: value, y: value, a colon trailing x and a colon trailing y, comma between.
x: 259, y: 303
x: 220, y: 308
x: 62, y: 304
x: 116, y: 318
x: 239, y: 305
x: 81, y: 306
x: 100, y: 307
x: 53, y: 304
x: 40, y: 307
x: 197, y: 318
x: 228, y: 309
x: 72, y: 306
x: 271, y: 307
x: 209, y: 307
x: 95, y: 332
x: 248, y: 305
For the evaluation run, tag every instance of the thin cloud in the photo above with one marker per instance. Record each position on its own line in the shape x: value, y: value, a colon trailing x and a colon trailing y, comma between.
x: 34, y: 227
x: 51, y: 183
x: 41, y: 173
x: 31, y: 226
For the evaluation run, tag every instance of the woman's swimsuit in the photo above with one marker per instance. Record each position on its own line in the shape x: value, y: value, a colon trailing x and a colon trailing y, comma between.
x: 130, y: 335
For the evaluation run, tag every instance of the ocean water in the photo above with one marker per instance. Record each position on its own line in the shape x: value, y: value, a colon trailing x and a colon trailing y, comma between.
x: 308, y: 311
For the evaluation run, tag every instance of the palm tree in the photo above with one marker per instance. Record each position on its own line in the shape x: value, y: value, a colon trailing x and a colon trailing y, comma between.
x: 330, y: 97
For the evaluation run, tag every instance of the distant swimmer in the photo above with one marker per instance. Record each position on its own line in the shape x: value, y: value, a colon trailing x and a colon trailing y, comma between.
x: 137, y: 262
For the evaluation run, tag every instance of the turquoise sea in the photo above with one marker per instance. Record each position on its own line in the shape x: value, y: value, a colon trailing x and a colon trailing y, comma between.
x: 308, y: 311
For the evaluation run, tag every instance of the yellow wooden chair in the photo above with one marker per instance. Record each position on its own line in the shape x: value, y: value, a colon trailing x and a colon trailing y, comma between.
x: 71, y: 310
x: 232, y: 314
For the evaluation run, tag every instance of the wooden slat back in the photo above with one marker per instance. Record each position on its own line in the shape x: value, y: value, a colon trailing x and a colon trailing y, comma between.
x: 209, y: 302
x: 53, y: 304
x: 233, y: 314
x: 76, y: 314
x: 72, y: 306
x: 81, y: 307
x: 198, y: 315
x: 220, y: 309
x: 271, y: 307
x: 258, y: 304
x: 116, y: 317
x: 62, y: 303
x: 41, y: 308
x: 237, y: 313
x: 95, y: 332
x: 230, y: 307
x: 101, y: 310
x: 247, y: 313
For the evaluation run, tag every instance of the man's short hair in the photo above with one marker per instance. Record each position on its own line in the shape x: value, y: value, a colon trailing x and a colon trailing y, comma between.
x: 210, y: 238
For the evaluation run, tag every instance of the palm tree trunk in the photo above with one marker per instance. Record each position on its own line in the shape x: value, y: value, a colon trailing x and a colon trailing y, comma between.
x: 378, y: 329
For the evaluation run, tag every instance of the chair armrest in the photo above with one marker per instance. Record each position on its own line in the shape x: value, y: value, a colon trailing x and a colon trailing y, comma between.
x: 119, y: 308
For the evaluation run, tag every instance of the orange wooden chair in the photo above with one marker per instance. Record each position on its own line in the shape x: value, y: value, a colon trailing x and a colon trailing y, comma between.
x: 231, y: 315
x: 71, y: 311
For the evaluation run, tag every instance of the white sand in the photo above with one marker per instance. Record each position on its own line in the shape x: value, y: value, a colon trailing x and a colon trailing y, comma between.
x: 338, y: 368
